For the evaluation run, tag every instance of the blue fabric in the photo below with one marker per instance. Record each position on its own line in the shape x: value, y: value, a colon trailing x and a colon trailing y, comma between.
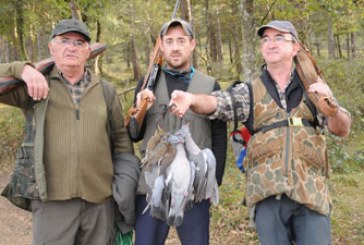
x: 240, y: 160
x: 193, y: 231
x: 284, y: 221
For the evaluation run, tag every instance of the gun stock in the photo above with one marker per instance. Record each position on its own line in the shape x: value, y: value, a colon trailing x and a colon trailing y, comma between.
x: 136, y: 114
x: 135, y: 117
x: 309, y: 71
x: 9, y: 83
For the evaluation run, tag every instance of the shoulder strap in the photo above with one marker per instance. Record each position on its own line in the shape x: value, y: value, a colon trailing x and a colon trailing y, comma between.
x: 249, y: 122
x: 109, y: 98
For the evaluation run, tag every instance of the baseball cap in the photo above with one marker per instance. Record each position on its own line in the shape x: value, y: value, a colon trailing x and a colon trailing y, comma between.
x: 280, y: 25
x: 177, y: 22
x: 71, y: 25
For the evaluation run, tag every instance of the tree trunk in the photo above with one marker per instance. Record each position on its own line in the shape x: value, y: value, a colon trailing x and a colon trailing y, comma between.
x: 75, y: 11
x: 183, y: 9
x: 353, y: 45
x: 212, y: 41
x: 14, y: 46
x: 134, y: 59
x: 330, y: 39
x: 348, y: 49
x: 318, y: 47
x: 98, y: 61
x: 339, y: 46
x: 219, y: 47
x: 186, y: 14
x: 20, y: 29
x: 230, y: 52
x: 133, y: 47
x: 207, y: 23
x: 248, y: 31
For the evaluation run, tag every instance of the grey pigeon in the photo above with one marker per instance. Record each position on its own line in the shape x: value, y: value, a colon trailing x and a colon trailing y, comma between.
x: 180, y: 176
x: 205, y: 183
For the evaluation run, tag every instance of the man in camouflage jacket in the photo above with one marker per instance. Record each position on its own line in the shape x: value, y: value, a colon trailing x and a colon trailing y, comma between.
x: 286, y: 164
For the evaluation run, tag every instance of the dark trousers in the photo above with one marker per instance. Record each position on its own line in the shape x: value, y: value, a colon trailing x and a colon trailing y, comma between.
x: 286, y: 222
x: 193, y: 231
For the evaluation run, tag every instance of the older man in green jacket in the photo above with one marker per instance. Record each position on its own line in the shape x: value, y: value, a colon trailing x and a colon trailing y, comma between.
x: 64, y: 167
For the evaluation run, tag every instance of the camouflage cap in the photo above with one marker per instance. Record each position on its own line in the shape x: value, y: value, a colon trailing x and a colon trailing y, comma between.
x: 177, y: 22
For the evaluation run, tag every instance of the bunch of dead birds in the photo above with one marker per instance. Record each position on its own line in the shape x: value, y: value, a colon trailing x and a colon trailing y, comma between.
x: 178, y: 173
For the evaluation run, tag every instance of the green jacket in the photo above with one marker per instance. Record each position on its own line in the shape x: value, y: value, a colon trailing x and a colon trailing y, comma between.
x: 40, y: 148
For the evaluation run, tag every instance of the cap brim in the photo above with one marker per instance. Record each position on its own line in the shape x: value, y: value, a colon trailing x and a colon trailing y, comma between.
x: 87, y: 38
x: 261, y: 29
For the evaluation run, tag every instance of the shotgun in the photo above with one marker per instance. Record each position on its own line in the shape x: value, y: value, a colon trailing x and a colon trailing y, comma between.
x: 136, y: 114
x: 9, y: 83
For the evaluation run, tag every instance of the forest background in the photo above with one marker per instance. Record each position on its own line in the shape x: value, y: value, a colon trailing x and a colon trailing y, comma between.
x: 227, y: 48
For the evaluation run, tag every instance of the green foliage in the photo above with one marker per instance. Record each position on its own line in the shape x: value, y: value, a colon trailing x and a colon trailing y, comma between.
x: 11, y: 125
x: 344, y: 162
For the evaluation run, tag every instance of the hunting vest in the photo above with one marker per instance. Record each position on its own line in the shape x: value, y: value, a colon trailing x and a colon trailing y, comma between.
x: 289, y: 158
x: 157, y: 115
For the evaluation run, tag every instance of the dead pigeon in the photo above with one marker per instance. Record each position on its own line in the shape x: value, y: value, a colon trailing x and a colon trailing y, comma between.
x: 205, y: 183
x: 180, y: 176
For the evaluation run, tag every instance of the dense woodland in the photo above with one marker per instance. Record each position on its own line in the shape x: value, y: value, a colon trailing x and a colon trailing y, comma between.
x: 227, y: 49
x: 225, y: 32
x: 225, y: 29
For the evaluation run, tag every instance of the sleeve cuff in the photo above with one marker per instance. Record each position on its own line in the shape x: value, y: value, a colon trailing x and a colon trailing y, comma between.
x: 18, y: 67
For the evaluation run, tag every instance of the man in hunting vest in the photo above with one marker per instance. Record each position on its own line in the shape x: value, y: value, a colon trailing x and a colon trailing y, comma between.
x: 286, y: 165
x: 177, y: 44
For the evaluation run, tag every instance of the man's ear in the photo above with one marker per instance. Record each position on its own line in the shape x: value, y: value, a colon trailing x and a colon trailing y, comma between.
x: 193, y: 44
x: 50, y: 48
x: 89, y: 52
x: 296, y: 48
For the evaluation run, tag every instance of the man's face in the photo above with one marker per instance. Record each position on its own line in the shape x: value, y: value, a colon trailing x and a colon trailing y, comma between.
x: 69, y: 50
x: 277, y: 47
x: 177, y: 48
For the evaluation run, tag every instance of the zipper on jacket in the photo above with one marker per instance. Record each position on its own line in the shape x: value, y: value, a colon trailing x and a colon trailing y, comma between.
x: 77, y: 114
x: 288, y: 142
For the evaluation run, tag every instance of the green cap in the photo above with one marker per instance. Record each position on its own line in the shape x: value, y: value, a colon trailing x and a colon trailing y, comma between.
x: 71, y: 25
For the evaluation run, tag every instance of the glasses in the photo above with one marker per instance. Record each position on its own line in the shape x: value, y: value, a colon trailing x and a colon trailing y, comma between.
x: 277, y: 39
x: 66, y: 42
x: 181, y: 42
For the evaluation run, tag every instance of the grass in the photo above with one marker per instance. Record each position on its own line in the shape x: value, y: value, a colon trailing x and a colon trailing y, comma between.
x: 230, y: 219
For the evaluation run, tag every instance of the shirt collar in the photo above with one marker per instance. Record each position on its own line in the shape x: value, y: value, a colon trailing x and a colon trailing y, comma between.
x: 185, y: 76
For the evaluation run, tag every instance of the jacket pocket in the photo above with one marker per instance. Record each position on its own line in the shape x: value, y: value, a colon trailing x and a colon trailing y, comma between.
x: 23, y: 179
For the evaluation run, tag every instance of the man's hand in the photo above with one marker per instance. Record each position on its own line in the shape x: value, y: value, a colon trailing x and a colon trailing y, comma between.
x: 145, y: 94
x: 320, y: 88
x: 36, y: 83
x: 180, y: 102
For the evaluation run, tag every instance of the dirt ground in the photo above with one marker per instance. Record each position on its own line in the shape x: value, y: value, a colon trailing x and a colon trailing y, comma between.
x: 15, y: 224
x: 347, y: 220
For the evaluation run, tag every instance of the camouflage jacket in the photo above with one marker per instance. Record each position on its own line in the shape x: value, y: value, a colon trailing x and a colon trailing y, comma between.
x: 288, y: 158
x: 29, y: 167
